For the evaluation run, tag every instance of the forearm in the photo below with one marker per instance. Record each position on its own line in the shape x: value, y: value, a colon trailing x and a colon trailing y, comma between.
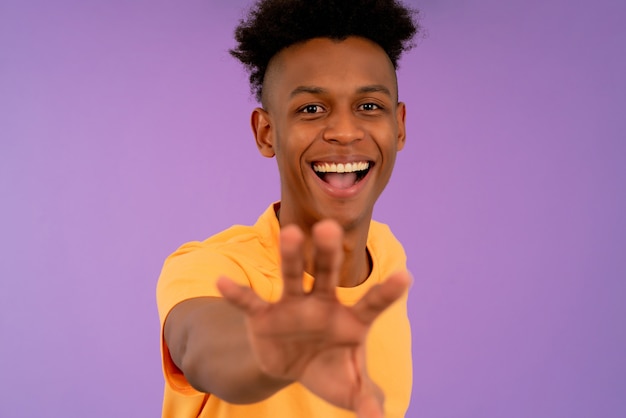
x: 208, y: 342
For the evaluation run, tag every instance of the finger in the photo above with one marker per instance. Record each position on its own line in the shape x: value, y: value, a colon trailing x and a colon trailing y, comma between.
x: 369, y: 406
x: 369, y: 402
x: 292, y: 260
x: 328, y: 248
x: 381, y: 296
x: 242, y: 297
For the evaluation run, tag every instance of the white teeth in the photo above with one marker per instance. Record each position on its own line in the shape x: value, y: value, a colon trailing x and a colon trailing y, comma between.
x: 340, y: 167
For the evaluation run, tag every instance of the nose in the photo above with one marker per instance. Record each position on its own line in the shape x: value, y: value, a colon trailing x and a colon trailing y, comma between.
x: 343, y: 127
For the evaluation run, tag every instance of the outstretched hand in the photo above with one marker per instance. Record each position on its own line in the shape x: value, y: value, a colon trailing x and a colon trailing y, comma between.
x: 311, y: 337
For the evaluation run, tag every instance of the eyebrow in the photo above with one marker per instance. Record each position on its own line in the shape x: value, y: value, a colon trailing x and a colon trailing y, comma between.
x: 306, y: 89
x: 375, y: 88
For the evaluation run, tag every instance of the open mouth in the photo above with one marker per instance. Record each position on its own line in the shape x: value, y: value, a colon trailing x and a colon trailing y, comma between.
x: 342, y: 175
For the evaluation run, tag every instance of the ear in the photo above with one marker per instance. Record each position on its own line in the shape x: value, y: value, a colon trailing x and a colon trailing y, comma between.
x: 262, y: 129
x: 401, y: 121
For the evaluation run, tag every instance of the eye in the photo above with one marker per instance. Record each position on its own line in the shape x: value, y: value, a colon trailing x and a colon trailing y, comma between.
x: 368, y: 107
x: 312, y: 108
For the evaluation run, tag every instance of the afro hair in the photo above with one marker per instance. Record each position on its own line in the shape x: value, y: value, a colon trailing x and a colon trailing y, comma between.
x: 272, y: 25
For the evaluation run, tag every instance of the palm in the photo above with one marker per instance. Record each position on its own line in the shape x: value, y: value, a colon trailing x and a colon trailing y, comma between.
x: 311, y: 337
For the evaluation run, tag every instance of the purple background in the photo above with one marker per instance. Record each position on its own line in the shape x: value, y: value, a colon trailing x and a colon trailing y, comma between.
x: 124, y: 133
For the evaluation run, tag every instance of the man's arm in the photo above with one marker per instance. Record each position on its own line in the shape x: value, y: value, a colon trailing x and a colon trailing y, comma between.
x: 207, y: 339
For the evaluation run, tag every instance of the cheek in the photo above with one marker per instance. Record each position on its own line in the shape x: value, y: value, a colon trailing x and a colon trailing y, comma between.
x: 296, y: 141
x: 388, y: 139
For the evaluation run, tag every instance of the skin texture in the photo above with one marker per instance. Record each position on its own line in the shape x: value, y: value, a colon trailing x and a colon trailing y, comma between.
x: 325, y: 101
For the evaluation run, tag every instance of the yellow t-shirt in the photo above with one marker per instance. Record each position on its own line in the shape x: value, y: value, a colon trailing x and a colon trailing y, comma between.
x: 249, y: 255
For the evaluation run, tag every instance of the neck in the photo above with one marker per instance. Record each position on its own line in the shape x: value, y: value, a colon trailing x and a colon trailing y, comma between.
x: 356, y: 265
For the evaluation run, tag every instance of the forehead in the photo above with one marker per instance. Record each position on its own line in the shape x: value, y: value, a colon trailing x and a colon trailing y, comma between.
x: 339, y: 66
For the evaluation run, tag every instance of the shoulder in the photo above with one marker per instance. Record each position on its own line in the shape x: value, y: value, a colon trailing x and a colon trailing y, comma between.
x: 231, y: 244
x: 385, y: 247
x: 194, y: 268
x: 380, y: 235
x: 238, y: 240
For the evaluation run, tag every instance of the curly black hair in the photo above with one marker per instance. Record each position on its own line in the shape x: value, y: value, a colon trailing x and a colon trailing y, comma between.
x: 273, y: 25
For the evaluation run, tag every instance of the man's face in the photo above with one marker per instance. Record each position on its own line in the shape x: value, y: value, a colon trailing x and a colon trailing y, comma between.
x: 334, y: 123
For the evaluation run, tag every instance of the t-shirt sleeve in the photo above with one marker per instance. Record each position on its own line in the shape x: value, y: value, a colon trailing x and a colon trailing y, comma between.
x: 190, y: 272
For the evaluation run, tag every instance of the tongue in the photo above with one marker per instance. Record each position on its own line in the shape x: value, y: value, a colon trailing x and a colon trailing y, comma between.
x: 340, y: 181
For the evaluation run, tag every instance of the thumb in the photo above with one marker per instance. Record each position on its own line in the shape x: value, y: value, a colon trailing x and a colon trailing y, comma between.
x: 241, y: 296
x: 369, y: 404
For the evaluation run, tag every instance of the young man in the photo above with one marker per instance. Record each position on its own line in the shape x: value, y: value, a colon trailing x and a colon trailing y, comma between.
x: 304, y: 313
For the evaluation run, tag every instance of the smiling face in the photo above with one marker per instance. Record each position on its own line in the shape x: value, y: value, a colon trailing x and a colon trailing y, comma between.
x: 334, y: 123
